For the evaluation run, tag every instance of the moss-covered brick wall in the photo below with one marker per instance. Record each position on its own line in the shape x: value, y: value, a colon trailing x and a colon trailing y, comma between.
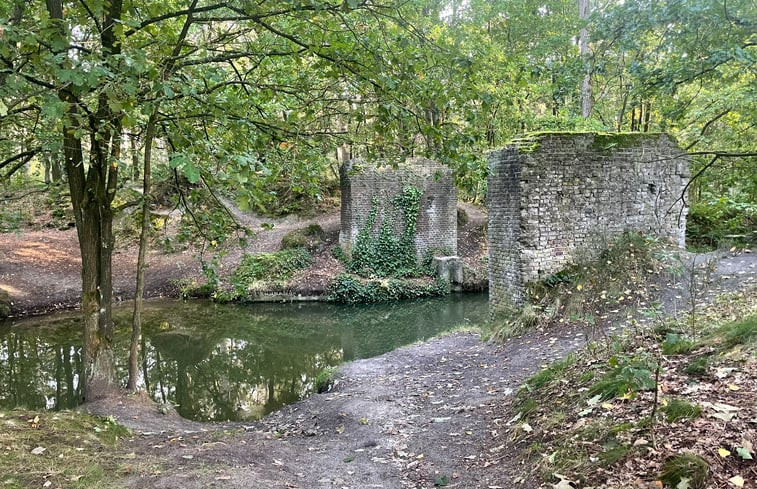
x: 555, y: 198
x: 364, y: 186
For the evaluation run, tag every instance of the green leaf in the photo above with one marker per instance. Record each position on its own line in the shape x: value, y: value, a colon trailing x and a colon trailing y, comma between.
x: 744, y: 453
x: 441, y: 481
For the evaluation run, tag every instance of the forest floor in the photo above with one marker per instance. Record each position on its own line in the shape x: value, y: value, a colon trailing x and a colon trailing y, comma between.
x: 434, y: 414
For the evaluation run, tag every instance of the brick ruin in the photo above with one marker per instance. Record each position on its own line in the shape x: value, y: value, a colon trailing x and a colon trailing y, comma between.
x: 553, y: 197
x: 363, y: 183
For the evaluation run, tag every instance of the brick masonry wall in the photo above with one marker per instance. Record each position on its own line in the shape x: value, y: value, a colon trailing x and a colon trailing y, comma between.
x: 437, y: 219
x: 558, y: 198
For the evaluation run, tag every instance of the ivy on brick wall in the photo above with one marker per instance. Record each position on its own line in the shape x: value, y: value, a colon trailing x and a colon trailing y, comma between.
x: 387, y: 253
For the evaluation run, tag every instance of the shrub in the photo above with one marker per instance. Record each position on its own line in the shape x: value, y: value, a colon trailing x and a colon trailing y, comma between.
x: 714, y: 222
x: 351, y: 289
x: 324, y: 380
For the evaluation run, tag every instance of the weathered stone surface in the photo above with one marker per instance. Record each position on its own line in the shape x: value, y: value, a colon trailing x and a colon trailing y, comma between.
x: 556, y: 197
x: 450, y: 269
x: 437, y: 217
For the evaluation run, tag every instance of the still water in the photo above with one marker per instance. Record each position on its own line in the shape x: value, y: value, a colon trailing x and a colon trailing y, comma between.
x: 222, y: 362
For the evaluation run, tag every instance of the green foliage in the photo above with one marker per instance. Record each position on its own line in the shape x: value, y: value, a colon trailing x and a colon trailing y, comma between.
x: 713, y: 223
x: 11, y: 219
x: 279, y: 265
x: 382, y: 253
x: 742, y: 332
x: 697, y: 366
x: 692, y: 468
x: 352, y: 289
x: 324, y: 380
x: 679, y: 409
x: 676, y: 344
x: 628, y: 375
x: 509, y: 323
x: 310, y: 238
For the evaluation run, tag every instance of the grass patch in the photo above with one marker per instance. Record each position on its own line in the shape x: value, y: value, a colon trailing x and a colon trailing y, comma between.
x: 697, y: 366
x: 743, y: 332
x: 678, y: 409
x: 66, y: 449
x: 550, y: 374
x: 676, y: 344
x: 689, y: 467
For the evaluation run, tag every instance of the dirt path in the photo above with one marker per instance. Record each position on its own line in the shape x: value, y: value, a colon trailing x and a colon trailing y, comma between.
x: 405, y: 419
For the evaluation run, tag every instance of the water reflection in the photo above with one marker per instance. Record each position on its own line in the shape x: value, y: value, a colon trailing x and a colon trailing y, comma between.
x: 230, y: 362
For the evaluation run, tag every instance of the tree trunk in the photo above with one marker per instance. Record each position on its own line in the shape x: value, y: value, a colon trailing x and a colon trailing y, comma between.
x: 587, y: 103
x: 134, y: 156
x: 136, y: 331
x: 91, y: 197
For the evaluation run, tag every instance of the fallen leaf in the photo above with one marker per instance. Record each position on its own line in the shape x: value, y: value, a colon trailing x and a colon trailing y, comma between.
x: 733, y: 387
x: 737, y: 481
x: 564, y: 483
x: 723, y: 452
x: 743, y: 453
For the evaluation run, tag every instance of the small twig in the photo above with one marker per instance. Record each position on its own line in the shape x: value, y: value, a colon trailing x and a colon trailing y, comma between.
x: 19, y: 197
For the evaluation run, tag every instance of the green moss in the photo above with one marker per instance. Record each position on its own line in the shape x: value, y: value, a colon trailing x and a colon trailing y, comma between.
x: 603, y: 142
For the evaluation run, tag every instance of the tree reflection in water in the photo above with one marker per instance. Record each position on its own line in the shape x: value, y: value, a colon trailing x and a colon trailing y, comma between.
x: 230, y: 362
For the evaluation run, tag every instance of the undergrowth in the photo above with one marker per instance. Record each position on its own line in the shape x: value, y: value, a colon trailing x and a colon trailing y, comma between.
x: 682, y: 412
x: 352, y: 289
x: 590, y: 293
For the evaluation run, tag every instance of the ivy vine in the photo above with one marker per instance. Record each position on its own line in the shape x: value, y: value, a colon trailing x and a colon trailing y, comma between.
x: 384, y: 253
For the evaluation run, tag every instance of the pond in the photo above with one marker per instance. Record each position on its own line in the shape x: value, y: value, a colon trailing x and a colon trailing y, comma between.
x: 222, y: 362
